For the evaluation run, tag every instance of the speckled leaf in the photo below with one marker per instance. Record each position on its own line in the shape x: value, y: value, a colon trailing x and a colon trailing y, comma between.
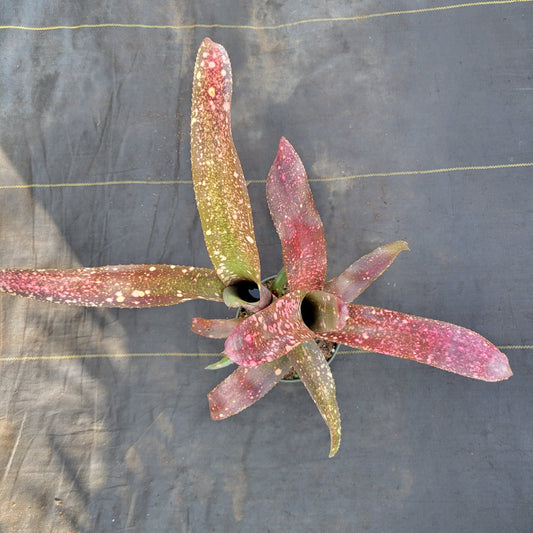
x: 115, y: 286
x: 296, y: 220
x: 219, y: 185
x: 244, y: 387
x: 269, y: 333
x: 310, y: 364
x: 361, y: 274
x: 439, y: 344
x: 216, y: 328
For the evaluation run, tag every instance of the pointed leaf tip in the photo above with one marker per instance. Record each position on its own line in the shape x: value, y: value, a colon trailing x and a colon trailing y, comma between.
x: 297, y: 220
x: 315, y: 373
x: 361, y: 274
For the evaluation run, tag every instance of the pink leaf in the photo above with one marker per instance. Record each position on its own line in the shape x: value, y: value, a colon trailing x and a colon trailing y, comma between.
x: 310, y: 364
x: 432, y: 342
x: 244, y: 387
x: 361, y: 274
x: 296, y: 220
x: 219, y: 185
x: 115, y: 286
x: 269, y: 333
x: 216, y: 328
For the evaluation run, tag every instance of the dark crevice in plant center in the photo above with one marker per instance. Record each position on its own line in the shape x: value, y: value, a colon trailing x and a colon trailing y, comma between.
x: 247, y: 291
x: 309, y: 311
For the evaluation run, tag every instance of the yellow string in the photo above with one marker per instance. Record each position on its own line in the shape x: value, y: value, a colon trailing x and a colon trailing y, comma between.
x: 93, y: 184
x: 354, y: 18
x: 7, y: 358
x: 422, y: 172
x: 323, y: 179
x: 516, y: 347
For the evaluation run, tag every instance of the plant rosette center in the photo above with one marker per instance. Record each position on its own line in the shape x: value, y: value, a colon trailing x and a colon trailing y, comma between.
x: 328, y: 348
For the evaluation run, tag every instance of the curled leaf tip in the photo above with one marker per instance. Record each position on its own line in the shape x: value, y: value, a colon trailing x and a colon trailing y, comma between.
x: 363, y: 272
x: 310, y: 364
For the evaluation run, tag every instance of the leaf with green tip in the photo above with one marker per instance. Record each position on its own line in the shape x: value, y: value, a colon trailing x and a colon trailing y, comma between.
x: 296, y: 220
x: 278, y: 286
x: 216, y: 328
x: 131, y: 286
x: 310, y: 364
x: 219, y: 185
x: 221, y: 363
x: 244, y: 387
x: 361, y: 274
x: 269, y: 333
x: 439, y: 344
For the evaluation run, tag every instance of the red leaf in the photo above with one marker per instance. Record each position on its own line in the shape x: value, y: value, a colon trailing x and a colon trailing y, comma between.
x: 432, y: 342
x: 361, y: 274
x: 115, y: 286
x: 244, y: 387
x: 296, y: 220
x: 269, y: 333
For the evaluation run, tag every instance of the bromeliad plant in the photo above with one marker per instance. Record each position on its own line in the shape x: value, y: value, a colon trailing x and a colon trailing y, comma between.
x: 283, y: 322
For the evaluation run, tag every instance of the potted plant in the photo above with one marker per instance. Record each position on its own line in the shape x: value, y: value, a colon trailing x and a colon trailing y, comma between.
x: 283, y: 322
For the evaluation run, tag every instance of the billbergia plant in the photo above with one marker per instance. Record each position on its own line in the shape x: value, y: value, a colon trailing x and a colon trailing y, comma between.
x: 278, y: 331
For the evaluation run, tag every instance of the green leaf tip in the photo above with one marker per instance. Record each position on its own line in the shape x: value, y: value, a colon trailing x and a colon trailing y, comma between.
x: 221, y: 363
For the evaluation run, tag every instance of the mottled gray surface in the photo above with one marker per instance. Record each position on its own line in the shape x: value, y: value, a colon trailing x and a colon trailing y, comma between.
x: 126, y: 443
